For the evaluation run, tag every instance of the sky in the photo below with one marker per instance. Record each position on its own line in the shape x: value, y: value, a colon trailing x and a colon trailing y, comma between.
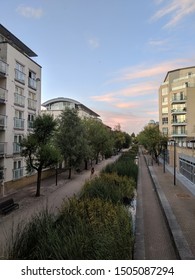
x: 110, y: 55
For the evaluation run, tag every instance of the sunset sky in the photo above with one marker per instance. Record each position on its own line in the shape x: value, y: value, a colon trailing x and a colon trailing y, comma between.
x: 110, y: 55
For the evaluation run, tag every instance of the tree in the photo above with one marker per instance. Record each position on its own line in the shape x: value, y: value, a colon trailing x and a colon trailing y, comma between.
x: 38, y: 147
x: 99, y: 138
x: 153, y: 140
x: 71, y: 138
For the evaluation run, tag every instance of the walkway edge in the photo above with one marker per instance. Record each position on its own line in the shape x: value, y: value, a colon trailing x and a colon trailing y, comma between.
x: 180, y: 242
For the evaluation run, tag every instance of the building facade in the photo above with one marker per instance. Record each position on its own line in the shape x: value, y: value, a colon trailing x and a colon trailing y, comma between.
x: 177, y: 118
x: 20, y: 102
x: 55, y: 107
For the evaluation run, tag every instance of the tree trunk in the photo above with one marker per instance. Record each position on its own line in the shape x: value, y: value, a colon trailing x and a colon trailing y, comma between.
x: 86, y: 164
x: 38, y: 182
x: 70, y: 171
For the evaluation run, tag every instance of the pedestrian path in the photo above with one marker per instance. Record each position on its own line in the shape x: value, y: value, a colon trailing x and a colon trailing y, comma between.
x: 178, y: 205
x: 152, y: 237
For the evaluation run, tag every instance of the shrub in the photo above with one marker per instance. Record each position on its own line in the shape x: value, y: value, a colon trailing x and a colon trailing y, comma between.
x: 109, y: 187
x: 85, y: 229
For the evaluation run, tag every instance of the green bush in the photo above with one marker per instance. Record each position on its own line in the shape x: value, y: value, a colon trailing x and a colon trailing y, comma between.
x: 85, y: 229
x: 123, y: 167
x: 111, y: 187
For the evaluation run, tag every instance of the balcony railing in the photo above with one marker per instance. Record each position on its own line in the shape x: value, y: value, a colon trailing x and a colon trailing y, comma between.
x: 19, y: 76
x: 179, y: 111
x: 19, y: 99
x: 16, y: 148
x: 32, y: 83
x: 17, y: 173
x: 179, y: 99
x: 3, y: 68
x: 32, y: 104
x: 30, y: 124
x: 3, y: 122
x: 179, y: 133
x: 178, y: 122
x: 3, y: 94
x: 18, y: 123
x: 2, y: 148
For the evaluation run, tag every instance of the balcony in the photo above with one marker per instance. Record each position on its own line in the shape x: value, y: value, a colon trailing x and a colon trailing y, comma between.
x: 179, y: 111
x: 30, y: 124
x: 17, y: 173
x: 32, y: 104
x: 3, y: 95
x: 178, y: 122
x: 32, y: 83
x: 3, y: 122
x: 176, y: 133
x: 19, y: 76
x: 16, y: 148
x: 19, y: 99
x: 3, y: 68
x: 179, y: 99
x: 18, y: 123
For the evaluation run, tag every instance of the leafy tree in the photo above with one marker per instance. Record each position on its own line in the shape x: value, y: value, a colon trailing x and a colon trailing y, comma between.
x: 128, y: 140
x: 153, y: 140
x: 99, y: 138
x: 71, y: 138
x: 119, y: 138
x: 38, y: 147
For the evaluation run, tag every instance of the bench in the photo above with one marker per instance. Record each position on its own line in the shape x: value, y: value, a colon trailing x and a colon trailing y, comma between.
x: 7, y: 206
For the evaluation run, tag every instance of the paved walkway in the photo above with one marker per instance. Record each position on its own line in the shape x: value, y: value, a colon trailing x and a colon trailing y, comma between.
x: 178, y: 208
x: 51, y: 198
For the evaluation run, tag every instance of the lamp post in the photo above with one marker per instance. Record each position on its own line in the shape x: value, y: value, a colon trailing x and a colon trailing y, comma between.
x: 164, y: 160
x: 174, y: 159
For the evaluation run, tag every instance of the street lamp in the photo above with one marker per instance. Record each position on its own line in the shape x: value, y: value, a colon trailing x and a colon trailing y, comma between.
x: 174, y: 158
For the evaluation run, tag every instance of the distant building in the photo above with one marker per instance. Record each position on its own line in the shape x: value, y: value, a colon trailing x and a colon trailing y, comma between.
x: 177, y: 118
x: 55, y: 107
x: 20, y: 102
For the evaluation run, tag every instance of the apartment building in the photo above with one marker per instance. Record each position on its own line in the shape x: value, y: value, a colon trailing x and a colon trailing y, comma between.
x: 55, y: 107
x: 177, y: 118
x: 20, y: 102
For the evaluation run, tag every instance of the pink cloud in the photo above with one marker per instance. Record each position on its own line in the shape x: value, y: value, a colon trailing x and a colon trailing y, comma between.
x: 145, y: 72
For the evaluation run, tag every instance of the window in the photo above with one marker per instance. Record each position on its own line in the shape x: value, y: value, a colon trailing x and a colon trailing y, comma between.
x: 164, y: 100
x: 16, y: 144
x: 165, y: 130
x: 19, y: 99
x: 31, y: 118
x: 19, y: 73
x: 18, y: 120
x: 32, y: 80
x: 164, y: 91
x: 165, y: 120
x: 17, y: 169
x: 165, y: 110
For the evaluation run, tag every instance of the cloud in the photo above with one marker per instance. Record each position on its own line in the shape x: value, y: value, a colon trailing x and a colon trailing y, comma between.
x: 143, y: 71
x: 129, y: 122
x: 94, y: 43
x: 29, y: 12
x: 177, y: 10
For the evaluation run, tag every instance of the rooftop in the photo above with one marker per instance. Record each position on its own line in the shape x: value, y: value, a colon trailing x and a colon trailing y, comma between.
x: 15, y: 42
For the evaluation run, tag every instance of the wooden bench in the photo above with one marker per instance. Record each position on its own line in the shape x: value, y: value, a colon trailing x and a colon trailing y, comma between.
x: 7, y: 206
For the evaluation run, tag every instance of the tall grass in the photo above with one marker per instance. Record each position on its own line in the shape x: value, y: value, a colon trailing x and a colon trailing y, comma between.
x: 85, y: 229
x: 110, y: 187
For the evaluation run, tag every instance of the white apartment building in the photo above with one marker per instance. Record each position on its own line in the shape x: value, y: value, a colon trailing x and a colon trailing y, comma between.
x: 177, y: 118
x: 55, y: 107
x: 20, y: 102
